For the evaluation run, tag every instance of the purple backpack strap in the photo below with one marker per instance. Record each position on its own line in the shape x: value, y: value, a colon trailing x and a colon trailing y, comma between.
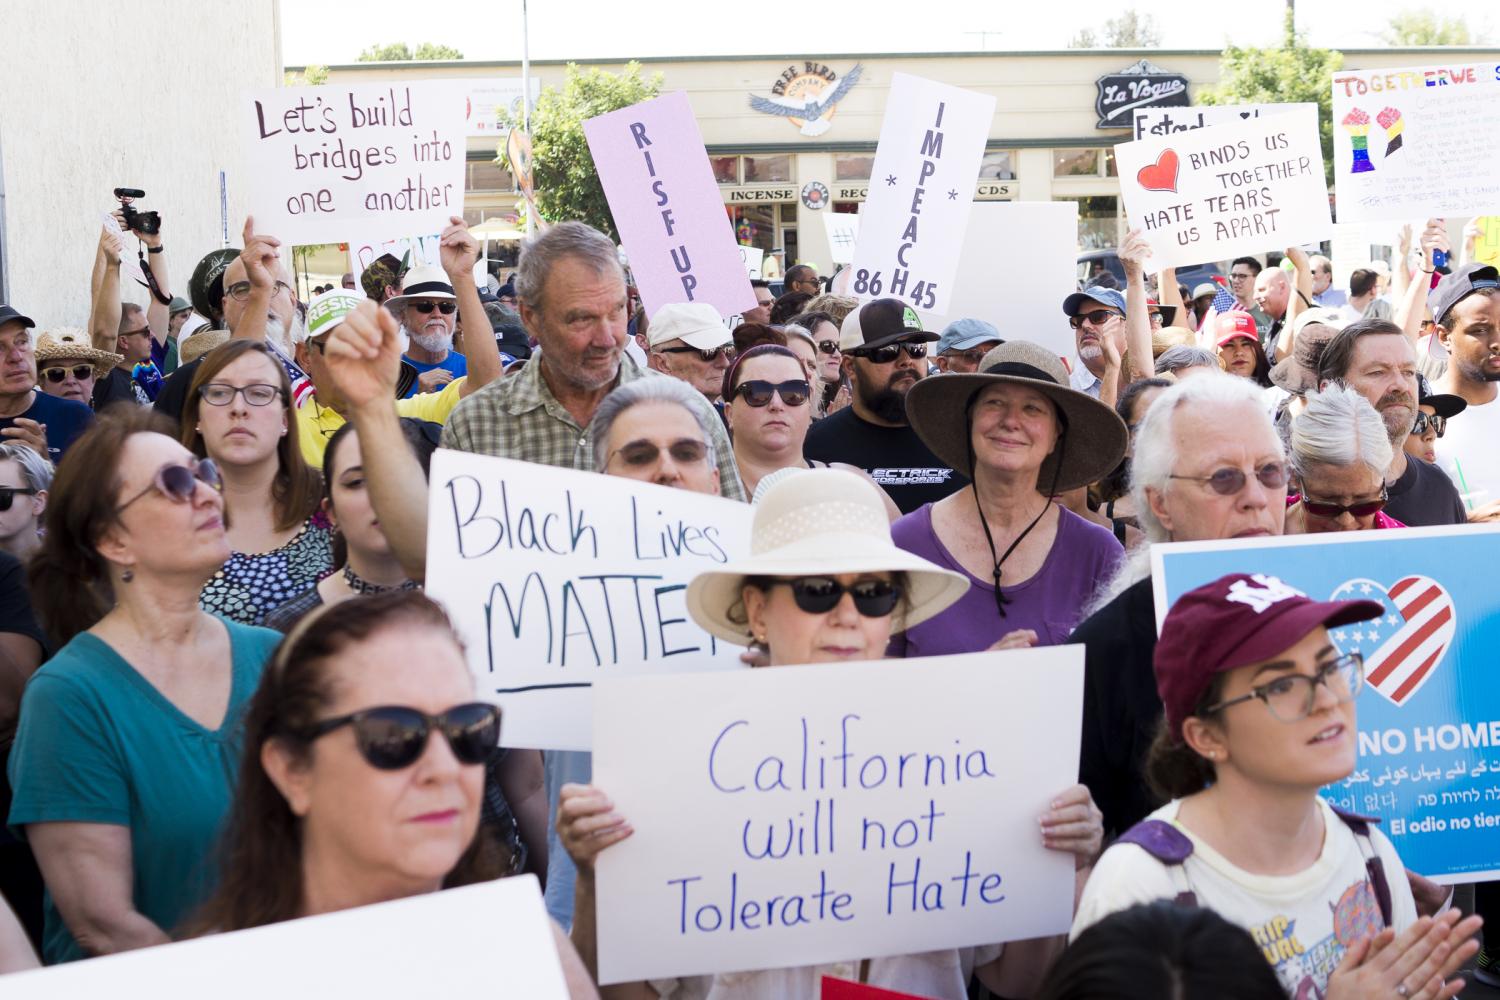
x: 1166, y: 844
x: 1374, y: 866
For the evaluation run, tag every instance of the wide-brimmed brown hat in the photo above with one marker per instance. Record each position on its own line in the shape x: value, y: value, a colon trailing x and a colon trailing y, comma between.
x: 70, y: 343
x: 1311, y: 332
x: 1094, y: 438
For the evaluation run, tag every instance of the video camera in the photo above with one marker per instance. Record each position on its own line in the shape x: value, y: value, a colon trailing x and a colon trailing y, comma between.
x: 148, y: 223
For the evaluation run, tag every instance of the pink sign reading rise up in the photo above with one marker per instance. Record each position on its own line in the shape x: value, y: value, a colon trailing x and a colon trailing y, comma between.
x: 667, y: 206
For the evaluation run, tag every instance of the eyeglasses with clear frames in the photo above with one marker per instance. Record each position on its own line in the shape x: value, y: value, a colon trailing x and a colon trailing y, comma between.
x: 1290, y: 698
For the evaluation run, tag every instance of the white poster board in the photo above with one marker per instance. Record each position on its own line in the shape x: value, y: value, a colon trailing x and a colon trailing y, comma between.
x: 843, y: 235
x: 473, y: 941
x: 557, y: 579
x: 1155, y: 122
x: 921, y: 189
x: 355, y: 162
x: 1416, y: 143
x: 1227, y: 190
x: 793, y: 816
x: 751, y: 257
x: 484, y: 100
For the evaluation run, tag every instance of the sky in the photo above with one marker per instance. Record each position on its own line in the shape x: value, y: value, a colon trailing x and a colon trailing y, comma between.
x: 322, y: 31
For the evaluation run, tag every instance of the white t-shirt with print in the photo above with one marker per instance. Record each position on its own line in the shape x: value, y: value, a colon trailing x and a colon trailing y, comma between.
x: 1303, y: 923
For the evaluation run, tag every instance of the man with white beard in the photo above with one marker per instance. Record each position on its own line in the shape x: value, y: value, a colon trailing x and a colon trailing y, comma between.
x: 427, y: 308
x: 1095, y: 314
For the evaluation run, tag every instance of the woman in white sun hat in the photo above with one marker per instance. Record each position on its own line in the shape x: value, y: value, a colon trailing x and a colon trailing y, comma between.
x: 824, y: 583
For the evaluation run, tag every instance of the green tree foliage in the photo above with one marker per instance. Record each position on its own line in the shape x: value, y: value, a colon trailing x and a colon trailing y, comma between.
x: 1131, y: 30
x: 312, y: 76
x: 401, y: 52
x: 566, y: 180
x: 1293, y: 73
x: 1426, y: 27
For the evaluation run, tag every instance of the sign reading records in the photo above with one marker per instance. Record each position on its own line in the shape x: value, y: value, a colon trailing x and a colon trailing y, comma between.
x: 1140, y: 85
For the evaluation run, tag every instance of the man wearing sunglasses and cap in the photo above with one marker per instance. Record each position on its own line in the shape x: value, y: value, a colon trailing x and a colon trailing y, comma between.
x: 47, y: 424
x: 689, y: 341
x: 884, y: 352
x: 1097, y: 316
x: 428, y: 308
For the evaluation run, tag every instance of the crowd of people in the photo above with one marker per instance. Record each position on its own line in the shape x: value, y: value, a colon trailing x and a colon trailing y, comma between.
x: 221, y: 678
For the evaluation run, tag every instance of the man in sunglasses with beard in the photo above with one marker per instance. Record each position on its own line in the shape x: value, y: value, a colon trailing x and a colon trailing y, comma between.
x: 1097, y: 316
x: 884, y: 354
x: 428, y: 308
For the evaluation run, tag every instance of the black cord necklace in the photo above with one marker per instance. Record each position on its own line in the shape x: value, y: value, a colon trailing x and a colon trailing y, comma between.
x: 1000, y: 599
x: 362, y: 586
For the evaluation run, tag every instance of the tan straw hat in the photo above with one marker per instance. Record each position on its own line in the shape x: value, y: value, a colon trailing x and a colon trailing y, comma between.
x: 68, y: 343
x: 820, y: 522
x: 199, y: 344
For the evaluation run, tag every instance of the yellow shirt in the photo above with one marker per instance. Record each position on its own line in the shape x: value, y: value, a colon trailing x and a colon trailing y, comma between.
x: 316, y: 424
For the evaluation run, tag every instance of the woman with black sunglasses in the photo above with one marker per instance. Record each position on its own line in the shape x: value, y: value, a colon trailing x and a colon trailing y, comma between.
x: 1339, y: 453
x: 363, y: 773
x: 825, y: 585
x: 129, y: 736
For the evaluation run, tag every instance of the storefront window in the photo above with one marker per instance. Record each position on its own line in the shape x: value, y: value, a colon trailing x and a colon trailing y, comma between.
x: 852, y: 166
x: 996, y: 166
x: 754, y: 225
x: 726, y: 169
x: 766, y: 169
x: 484, y: 175
x: 1075, y: 163
x: 1109, y: 163
x: 1098, y: 221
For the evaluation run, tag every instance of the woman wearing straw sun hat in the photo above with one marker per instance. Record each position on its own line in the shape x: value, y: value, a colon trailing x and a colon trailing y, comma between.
x: 1023, y: 436
x: 823, y: 583
x: 68, y: 365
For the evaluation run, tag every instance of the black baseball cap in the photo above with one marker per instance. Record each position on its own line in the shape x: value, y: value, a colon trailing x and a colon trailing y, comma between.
x: 881, y: 322
x: 1454, y: 287
x: 1443, y: 404
x: 8, y: 314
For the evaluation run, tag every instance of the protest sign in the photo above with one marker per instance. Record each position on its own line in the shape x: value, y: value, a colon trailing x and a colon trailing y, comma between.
x: 1487, y: 243
x: 486, y: 100
x: 1416, y: 143
x: 751, y: 258
x: 1429, y: 732
x: 843, y: 235
x: 356, y: 162
x: 921, y: 189
x: 794, y: 816
x: 1225, y: 190
x: 667, y: 206
x: 557, y: 578
x: 363, y: 253
x: 458, y: 942
x: 1168, y: 121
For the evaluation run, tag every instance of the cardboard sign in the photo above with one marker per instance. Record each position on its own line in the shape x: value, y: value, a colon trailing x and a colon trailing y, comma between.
x: 667, y: 207
x: 1227, y: 190
x: 1169, y: 121
x: 359, y: 162
x: 843, y: 235
x: 458, y: 942
x: 1429, y: 729
x: 794, y: 816
x: 751, y: 258
x: 1416, y: 143
x: 921, y: 189
x: 557, y: 579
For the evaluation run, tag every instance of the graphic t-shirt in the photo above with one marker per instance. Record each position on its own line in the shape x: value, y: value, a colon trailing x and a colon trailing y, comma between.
x: 1303, y: 923
x: 893, y: 456
x: 1467, y: 452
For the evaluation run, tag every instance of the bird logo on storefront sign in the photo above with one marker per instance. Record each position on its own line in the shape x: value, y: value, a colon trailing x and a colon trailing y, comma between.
x: 804, y: 96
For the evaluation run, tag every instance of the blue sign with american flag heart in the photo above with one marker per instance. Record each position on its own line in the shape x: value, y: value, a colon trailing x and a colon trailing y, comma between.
x: 1429, y: 712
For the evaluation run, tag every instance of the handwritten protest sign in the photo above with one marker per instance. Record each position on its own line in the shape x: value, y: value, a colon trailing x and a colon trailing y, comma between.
x: 1225, y: 190
x: 458, y: 942
x: 843, y: 235
x: 793, y: 816
x: 363, y: 253
x: 358, y: 162
x: 557, y: 578
x: 921, y: 189
x: 667, y: 206
x: 1429, y: 731
x: 751, y: 258
x: 1416, y: 143
x: 1168, y: 121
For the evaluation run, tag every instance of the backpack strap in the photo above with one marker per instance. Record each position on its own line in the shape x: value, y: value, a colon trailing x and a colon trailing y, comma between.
x: 1166, y: 844
x: 1362, y: 826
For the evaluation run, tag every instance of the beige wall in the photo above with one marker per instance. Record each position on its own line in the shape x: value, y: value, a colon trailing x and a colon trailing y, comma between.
x: 80, y: 116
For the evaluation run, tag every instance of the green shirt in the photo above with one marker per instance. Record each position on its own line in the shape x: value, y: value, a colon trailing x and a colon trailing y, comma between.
x: 97, y: 743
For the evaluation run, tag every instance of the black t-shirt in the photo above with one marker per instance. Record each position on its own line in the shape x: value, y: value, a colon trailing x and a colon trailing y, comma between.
x: 65, y: 419
x: 172, y: 399
x: 1424, y: 496
x: 115, y: 387
x: 893, y: 456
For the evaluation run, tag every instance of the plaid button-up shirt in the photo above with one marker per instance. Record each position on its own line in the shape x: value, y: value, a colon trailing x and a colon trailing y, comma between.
x: 518, y: 417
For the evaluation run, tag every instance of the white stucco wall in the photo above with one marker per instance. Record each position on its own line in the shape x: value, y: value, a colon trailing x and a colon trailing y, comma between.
x: 95, y: 96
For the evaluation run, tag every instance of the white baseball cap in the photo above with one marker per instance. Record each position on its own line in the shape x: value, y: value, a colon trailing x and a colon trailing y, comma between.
x: 696, y: 324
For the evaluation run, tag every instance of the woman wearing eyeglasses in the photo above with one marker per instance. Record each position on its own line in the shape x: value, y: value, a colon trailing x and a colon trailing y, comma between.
x: 239, y: 413
x: 825, y: 585
x: 362, y: 774
x: 1340, y: 451
x: 653, y: 430
x: 1259, y: 716
x: 129, y: 736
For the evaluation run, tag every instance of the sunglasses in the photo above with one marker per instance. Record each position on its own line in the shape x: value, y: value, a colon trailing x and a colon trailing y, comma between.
x: 828, y: 347
x: 885, y: 355
x: 8, y: 495
x: 1228, y: 482
x: 446, y: 308
x: 178, y: 483
x: 707, y: 357
x: 818, y: 595
x: 684, y: 451
x: 392, y: 737
x: 222, y: 394
x: 59, y: 375
x: 973, y: 356
x: 1426, y: 420
x: 757, y: 392
x: 1098, y: 317
x: 1330, y: 511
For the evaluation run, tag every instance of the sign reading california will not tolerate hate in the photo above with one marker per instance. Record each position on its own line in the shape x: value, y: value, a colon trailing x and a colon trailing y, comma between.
x: 921, y: 188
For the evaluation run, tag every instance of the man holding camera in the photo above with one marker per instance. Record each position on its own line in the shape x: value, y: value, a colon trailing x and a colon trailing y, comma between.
x: 140, y: 335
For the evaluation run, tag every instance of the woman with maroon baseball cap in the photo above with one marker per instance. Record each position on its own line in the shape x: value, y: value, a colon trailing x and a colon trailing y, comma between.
x: 1260, y: 716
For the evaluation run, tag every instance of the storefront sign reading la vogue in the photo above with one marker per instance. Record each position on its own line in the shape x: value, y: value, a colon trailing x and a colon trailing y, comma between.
x: 807, y: 94
x: 1141, y: 85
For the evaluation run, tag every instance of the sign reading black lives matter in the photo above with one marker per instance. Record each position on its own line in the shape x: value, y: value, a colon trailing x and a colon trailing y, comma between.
x: 1140, y: 85
x: 336, y: 164
x: 921, y: 189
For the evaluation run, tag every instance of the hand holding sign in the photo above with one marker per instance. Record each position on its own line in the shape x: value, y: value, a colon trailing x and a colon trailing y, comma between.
x: 1134, y: 253
x: 587, y: 823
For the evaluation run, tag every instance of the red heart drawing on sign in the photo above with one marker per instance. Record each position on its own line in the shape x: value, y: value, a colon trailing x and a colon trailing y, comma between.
x: 1161, y: 175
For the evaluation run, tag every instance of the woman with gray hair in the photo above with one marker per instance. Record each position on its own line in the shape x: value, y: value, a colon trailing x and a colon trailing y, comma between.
x: 25, y: 478
x: 653, y: 429
x: 1182, y: 360
x: 1339, y: 454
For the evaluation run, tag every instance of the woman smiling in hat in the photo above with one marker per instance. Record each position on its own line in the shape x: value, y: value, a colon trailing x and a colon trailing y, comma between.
x: 824, y: 584
x: 1023, y: 436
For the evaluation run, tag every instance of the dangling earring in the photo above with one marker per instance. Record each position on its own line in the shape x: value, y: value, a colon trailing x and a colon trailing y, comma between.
x: 127, y: 575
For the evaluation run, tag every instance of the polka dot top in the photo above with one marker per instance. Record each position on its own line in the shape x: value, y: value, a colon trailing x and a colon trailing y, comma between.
x: 251, y: 586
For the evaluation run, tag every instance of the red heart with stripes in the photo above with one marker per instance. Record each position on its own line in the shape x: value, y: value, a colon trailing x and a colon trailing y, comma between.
x: 1404, y: 647
x: 1161, y: 175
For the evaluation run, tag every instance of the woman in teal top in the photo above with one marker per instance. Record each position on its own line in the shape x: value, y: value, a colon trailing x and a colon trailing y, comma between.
x: 128, y: 746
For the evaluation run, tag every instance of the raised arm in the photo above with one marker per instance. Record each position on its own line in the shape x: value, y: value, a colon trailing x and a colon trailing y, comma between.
x: 262, y: 260
x: 1412, y: 308
x: 1400, y: 276
x: 87, y: 868
x: 459, y: 252
x: 157, y: 316
x: 104, y: 308
x: 1169, y: 294
x: 1133, y: 255
x: 1302, y: 284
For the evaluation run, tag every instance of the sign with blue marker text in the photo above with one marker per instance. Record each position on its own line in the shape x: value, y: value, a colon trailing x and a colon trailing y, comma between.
x: 557, y: 578
x: 911, y: 227
x: 1429, y: 712
x: 792, y: 816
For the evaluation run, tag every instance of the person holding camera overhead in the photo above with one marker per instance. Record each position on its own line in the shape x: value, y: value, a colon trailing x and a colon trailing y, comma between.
x: 138, y: 335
